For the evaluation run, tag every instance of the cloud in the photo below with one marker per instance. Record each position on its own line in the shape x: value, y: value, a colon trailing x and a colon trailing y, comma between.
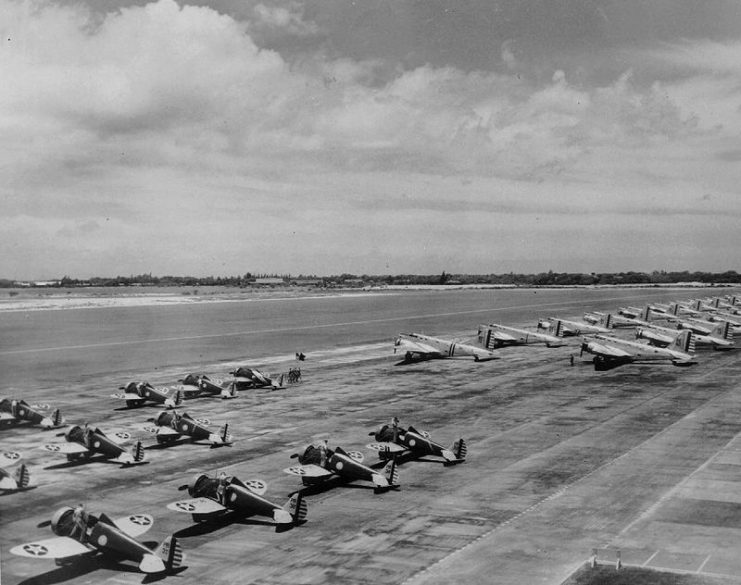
x: 174, y: 123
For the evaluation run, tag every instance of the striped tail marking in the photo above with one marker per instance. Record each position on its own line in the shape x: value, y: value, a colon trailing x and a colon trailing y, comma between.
x: 171, y: 553
x: 298, y: 508
x: 460, y: 449
x: 392, y: 473
x: 138, y: 451
x: 22, y: 477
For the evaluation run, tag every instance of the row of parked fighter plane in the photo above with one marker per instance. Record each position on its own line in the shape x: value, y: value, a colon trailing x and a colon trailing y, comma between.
x: 222, y: 498
x: 698, y: 324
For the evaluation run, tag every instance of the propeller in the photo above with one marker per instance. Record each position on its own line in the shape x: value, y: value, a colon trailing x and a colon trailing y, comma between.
x: 44, y: 524
x: 372, y: 434
x: 294, y: 456
x: 182, y: 488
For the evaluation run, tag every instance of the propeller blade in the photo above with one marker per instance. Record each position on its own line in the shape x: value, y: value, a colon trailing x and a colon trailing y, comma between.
x: 294, y: 456
x: 182, y: 488
x: 44, y: 524
x: 372, y: 433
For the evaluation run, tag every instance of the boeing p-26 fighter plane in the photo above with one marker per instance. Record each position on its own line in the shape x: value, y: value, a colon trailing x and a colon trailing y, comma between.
x: 318, y: 463
x: 14, y: 411
x: 418, y: 347
x: 170, y: 426
x: 610, y: 352
x: 80, y: 533
x: 84, y: 442
x: 493, y: 336
x: 245, y: 378
x: 139, y: 393
x: 393, y: 440
x: 13, y: 482
x: 213, y: 496
x: 194, y: 385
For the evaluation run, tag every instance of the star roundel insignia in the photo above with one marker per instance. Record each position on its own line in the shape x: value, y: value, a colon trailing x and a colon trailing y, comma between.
x: 339, y: 465
x: 123, y: 435
x: 298, y: 470
x: 37, y: 550
x: 12, y: 455
x: 140, y: 520
x: 255, y: 484
x: 52, y: 447
x: 203, y: 421
x: 187, y: 506
x: 412, y: 442
x: 21, y: 412
x: 96, y: 444
x: 183, y: 427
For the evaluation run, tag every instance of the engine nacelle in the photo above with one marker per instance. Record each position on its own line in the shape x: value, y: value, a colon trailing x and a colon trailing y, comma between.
x: 62, y: 522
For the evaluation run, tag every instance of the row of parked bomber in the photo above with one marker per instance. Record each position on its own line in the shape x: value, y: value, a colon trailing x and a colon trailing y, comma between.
x: 214, y: 497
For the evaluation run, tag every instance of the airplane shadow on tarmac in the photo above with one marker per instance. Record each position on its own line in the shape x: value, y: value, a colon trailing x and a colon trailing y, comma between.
x: 68, y: 464
x: 85, y: 565
x: 209, y: 526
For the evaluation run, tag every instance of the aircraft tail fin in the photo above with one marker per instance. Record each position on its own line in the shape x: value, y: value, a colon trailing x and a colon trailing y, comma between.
x: 697, y: 305
x: 171, y: 553
x: 558, y: 329
x: 178, y: 398
x: 722, y: 330
x: 646, y: 313
x: 56, y: 418
x: 716, y: 302
x: 608, y: 321
x: 684, y: 342
x: 138, y: 452
x: 673, y: 309
x: 459, y: 449
x: 297, y: 508
x: 391, y: 472
x: 225, y: 433
x: 22, y: 477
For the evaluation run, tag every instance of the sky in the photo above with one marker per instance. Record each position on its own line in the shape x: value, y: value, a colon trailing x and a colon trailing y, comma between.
x: 369, y: 137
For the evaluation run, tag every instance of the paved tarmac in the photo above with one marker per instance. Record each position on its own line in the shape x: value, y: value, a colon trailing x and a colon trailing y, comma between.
x: 561, y: 460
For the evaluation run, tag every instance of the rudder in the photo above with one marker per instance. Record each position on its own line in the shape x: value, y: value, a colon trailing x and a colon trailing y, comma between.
x: 171, y: 553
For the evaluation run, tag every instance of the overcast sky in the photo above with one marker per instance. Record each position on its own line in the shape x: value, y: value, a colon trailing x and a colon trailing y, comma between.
x: 377, y: 136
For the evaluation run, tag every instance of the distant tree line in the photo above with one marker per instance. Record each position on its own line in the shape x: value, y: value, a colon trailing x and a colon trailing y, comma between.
x: 549, y: 278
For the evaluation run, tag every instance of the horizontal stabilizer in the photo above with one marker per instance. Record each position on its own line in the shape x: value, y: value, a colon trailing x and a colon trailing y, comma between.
x: 308, y: 471
x: 135, y: 524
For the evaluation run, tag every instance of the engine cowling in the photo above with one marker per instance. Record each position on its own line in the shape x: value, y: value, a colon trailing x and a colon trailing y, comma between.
x: 62, y: 522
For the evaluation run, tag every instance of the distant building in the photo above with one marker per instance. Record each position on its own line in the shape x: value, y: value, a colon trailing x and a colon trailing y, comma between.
x: 269, y: 281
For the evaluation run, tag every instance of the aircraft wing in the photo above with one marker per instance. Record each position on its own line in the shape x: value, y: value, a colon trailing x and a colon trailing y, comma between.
x: 9, y: 457
x: 65, y: 448
x: 127, y: 396
x: 608, y: 350
x: 196, y: 506
x: 386, y: 447
x: 417, y: 347
x: 310, y: 470
x: 118, y: 438
x: 135, y: 524
x: 166, y: 431
x: 6, y: 416
x: 51, y: 548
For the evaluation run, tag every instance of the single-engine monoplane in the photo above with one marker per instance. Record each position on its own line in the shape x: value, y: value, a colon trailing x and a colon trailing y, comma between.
x: 194, y: 385
x: 13, y: 482
x: 215, y: 496
x: 247, y: 378
x: 85, y: 442
x: 15, y: 411
x: 170, y: 426
x: 80, y: 533
x: 139, y: 393
x: 318, y: 463
x: 393, y: 440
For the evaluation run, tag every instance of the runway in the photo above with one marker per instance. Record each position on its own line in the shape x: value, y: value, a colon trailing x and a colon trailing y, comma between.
x: 561, y: 459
